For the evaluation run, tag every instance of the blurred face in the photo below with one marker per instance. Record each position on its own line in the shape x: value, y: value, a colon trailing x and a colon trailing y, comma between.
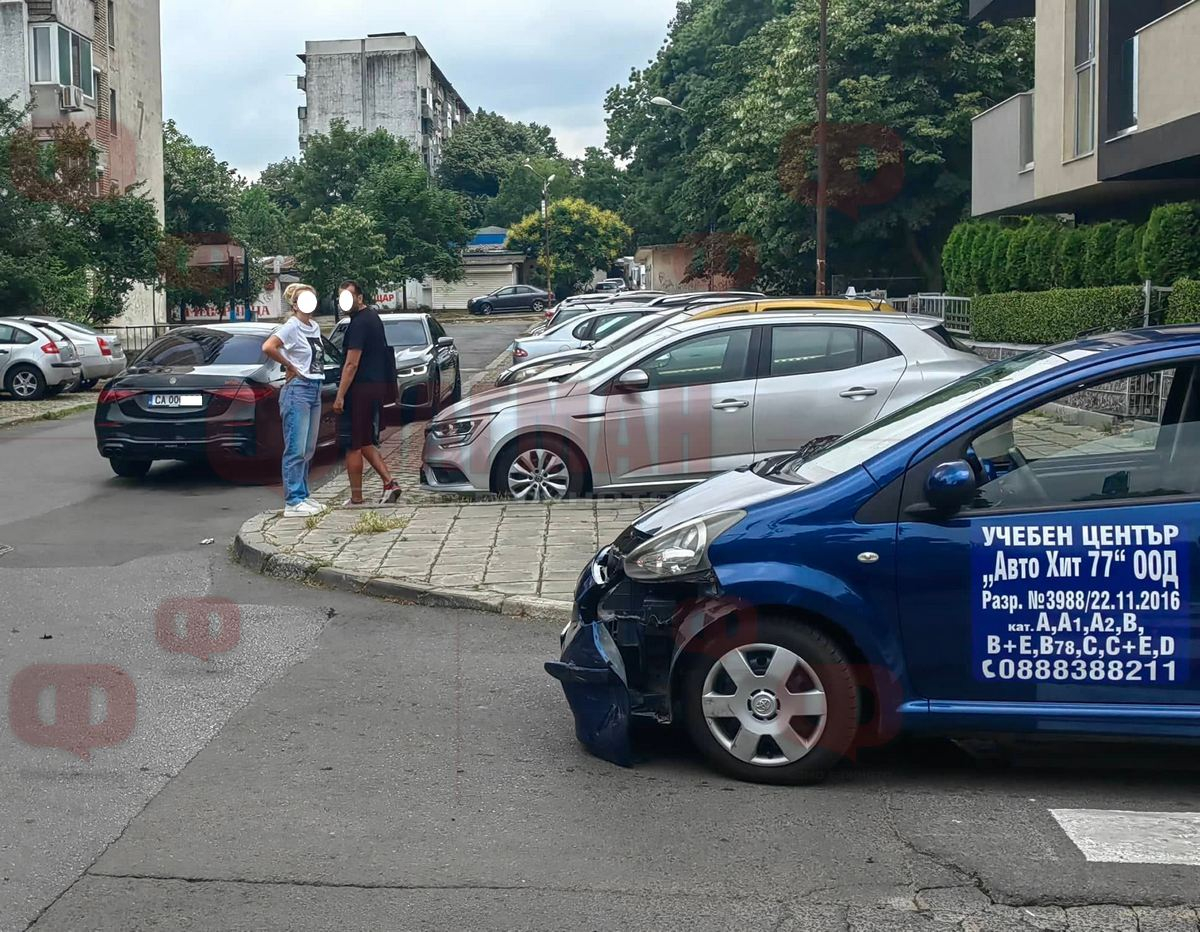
x: 306, y: 303
x: 346, y: 299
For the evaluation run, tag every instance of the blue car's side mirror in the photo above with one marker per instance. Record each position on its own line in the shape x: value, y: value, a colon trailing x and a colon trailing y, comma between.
x: 951, y: 487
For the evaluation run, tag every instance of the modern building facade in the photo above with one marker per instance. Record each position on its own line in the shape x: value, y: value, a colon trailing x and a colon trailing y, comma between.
x: 385, y: 81
x: 1112, y: 123
x: 96, y: 64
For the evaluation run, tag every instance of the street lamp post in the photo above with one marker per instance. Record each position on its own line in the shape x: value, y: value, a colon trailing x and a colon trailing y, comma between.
x: 546, y: 226
x: 823, y: 149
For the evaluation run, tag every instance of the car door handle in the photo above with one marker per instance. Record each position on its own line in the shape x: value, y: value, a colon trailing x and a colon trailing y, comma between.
x: 730, y: 404
x: 860, y: 392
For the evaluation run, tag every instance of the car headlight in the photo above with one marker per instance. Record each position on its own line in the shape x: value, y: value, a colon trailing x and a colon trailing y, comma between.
x: 681, y: 550
x: 529, y: 372
x: 458, y: 433
x: 412, y: 371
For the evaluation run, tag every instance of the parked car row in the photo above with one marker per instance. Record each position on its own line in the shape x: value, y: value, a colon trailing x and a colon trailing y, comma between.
x: 686, y: 396
x: 40, y: 357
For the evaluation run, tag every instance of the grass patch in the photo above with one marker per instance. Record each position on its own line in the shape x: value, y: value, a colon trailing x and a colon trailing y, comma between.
x: 313, y: 521
x: 372, y: 523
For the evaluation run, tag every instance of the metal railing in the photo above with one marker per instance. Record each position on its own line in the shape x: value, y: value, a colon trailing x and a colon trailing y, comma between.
x: 954, y: 311
x: 136, y: 339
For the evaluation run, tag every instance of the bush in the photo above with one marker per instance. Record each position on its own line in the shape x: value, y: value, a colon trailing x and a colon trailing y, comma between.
x: 998, y: 278
x: 981, y: 257
x: 1100, y: 255
x: 1126, y: 270
x: 1053, y: 316
x: 1017, y: 259
x: 952, y: 278
x: 1171, y: 249
x: 1041, y: 246
x: 1068, y: 259
x: 1184, y: 307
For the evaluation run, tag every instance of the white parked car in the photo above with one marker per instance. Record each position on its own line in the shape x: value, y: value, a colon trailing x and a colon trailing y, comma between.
x: 33, y: 364
x: 576, y: 333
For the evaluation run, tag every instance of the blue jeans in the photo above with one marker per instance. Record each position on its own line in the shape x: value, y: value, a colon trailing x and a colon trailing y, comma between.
x: 300, y: 409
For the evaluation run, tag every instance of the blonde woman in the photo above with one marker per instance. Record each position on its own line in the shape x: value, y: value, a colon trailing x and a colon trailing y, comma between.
x: 298, y: 348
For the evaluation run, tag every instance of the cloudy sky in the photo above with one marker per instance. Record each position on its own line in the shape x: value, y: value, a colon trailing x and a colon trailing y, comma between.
x: 230, y: 66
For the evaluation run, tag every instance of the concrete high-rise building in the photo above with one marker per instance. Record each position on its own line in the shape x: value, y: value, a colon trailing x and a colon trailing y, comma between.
x: 94, y: 63
x: 385, y: 81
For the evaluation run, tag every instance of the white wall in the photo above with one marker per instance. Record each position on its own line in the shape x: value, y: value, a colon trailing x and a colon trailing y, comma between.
x: 14, y: 54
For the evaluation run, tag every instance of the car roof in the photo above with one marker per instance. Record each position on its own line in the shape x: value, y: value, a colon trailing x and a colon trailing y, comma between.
x: 856, y: 318
x: 638, y: 309
x: 252, y: 328
x: 762, y: 305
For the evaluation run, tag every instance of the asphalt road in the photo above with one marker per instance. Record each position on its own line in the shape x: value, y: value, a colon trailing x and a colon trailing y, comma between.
x: 358, y: 764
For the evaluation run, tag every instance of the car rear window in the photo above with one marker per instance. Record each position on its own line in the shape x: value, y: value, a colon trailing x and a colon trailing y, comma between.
x: 204, y: 348
x: 405, y: 333
x: 946, y: 338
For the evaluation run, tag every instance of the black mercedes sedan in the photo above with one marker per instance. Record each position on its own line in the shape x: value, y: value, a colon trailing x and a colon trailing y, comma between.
x: 202, y: 393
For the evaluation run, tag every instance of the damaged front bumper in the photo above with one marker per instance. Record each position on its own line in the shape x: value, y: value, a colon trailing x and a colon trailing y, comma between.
x: 618, y: 652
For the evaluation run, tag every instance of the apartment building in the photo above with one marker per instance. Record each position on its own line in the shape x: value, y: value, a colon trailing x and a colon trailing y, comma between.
x: 1112, y: 123
x: 386, y: 81
x: 96, y: 64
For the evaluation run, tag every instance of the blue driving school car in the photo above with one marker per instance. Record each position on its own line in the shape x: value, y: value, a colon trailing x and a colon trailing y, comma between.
x: 1014, y: 553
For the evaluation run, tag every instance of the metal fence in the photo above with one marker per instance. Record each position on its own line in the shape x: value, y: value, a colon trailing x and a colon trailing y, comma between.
x: 136, y: 339
x: 953, y: 310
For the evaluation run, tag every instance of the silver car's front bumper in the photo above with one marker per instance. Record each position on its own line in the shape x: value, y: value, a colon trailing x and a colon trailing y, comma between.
x: 464, y: 470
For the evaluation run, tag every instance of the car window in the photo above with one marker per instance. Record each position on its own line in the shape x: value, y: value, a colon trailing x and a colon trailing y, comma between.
x: 503, y: 292
x: 204, y: 348
x: 436, y: 328
x: 1065, y: 452
x: 332, y: 353
x: 875, y: 348
x: 700, y: 360
x: 581, y: 330
x: 621, y: 335
x: 946, y: 338
x: 806, y: 349
x: 607, y: 325
x: 338, y: 335
x: 405, y: 333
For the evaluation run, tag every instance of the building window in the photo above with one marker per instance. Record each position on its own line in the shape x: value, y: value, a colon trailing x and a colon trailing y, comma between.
x: 43, y: 55
x: 70, y: 58
x: 1085, y: 77
x: 112, y: 111
x: 112, y: 24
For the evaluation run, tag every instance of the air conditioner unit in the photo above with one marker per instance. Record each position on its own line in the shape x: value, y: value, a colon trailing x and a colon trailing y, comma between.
x: 301, y: 83
x: 70, y: 98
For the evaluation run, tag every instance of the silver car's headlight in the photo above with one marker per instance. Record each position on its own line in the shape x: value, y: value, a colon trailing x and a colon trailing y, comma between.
x: 458, y: 433
x: 412, y: 371
x: 681, y: 550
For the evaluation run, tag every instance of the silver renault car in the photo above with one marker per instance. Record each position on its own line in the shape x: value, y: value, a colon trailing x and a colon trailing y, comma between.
x: 689, y: 400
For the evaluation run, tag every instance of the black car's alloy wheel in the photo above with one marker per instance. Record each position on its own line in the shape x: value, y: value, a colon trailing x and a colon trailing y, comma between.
x: 539, y: 306
x: 485, y: 309
x: 775, y: 701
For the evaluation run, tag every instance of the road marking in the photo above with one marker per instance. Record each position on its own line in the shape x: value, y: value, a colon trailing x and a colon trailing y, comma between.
x: 1122, y: 837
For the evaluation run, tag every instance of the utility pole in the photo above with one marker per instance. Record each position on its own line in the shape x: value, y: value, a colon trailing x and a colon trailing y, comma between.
x: 822, y: 149
x: 546, y: 227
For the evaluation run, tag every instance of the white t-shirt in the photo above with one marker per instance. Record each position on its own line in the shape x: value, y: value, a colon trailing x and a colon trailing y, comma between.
x: 302, y: 347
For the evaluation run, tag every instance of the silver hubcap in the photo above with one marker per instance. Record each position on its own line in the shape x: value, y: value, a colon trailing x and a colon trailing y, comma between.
x: 539, y: 475
x: 24, y: 384
x: 765, y: 705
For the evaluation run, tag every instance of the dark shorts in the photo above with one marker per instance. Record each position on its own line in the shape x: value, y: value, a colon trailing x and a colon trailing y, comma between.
x: 360, y: 420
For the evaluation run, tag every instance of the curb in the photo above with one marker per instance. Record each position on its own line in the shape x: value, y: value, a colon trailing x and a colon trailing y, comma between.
x: 55, y: 415
x: 252, y: 550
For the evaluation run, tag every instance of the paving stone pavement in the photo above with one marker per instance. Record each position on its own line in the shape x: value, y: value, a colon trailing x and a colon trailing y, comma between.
x: 14, y: 412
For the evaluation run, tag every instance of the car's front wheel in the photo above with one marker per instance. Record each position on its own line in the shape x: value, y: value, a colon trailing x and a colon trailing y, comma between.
x: 129, y: 469
x: 485, y: 309
x: 539, y: 306
x: 775, y: 701
x: 540, y: 469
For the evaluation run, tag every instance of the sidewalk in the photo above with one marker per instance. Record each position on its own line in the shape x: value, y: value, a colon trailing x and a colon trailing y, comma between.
x: 13, y: 412
x: 505, y: 558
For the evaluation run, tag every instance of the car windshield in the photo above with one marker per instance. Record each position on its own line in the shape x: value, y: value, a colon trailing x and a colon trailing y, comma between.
x: 610, y: 362
x: 202, y: 347
x: 856, y: 448
x: 630, y: 332
x: 405, y: 333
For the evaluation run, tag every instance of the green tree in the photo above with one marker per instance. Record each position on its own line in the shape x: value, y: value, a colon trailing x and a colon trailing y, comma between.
x: 481, y: 153
x: 334, y: 166
x: 1171, y: 248
x: 521, y: 190
x: 907, y: 76
x: 260, y: 223
x: 199, y: 190
x: 1016, y: 259
x: 999, y: 278
x: 982, y: 251
x: 423, y: 226
x: 340, y: 244
x: 583, y: 238
x: 279, y: 181
x: 1126, y: 271
x: 1041, y: 243
x: 1069, y: 258
x: 952, y: 259
x: 1100, y: 256
x: 602, y: 182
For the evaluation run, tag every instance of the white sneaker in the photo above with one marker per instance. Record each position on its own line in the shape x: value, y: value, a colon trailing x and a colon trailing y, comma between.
x: 302, y: 510
x: 316, y: 504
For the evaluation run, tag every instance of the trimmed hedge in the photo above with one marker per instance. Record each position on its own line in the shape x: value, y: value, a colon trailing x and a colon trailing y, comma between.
x: 1053, y: 316
x: 1184, y: 306
x: 982, y: 257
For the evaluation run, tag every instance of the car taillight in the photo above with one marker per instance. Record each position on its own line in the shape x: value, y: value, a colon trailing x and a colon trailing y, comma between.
x: 243, y: 392
x: 113, y: 395
x: 50, y: 347
x: 519, y: 353
x: 105, y: 349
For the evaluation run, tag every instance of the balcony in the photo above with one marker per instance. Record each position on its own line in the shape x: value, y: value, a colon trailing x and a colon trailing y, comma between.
x: 1164, y: 58
x: 996, y: 11
x: 1002, y: 170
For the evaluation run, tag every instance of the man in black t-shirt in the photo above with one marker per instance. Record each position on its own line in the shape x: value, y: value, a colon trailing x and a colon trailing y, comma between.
x: 368, y: 383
